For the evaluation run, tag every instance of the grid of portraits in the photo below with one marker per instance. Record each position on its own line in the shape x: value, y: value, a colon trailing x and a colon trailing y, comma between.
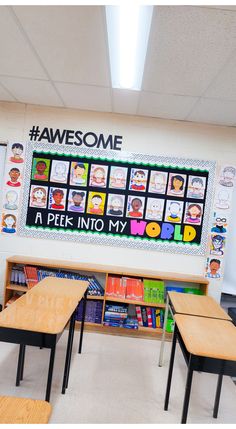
x: 113, y: 189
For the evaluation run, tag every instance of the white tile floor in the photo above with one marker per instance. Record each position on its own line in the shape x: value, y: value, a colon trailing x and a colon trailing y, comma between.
x: 115, y: 380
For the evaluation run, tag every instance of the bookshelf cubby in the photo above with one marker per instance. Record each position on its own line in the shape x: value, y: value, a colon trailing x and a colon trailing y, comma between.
x: 102, y: 273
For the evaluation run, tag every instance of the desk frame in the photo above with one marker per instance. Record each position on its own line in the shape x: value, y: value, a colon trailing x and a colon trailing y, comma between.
x: 44, y: 340
x: 197, y: 363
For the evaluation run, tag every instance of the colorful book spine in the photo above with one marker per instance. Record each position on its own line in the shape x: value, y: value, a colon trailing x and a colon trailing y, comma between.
x: 139, y: 315
x: 149, y: 317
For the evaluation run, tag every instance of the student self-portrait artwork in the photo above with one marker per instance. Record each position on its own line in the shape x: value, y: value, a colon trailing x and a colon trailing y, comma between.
x: 193, y: 213
x: 135, y: 206
x: 219, y: 224
x: 217, y: 244
x: 57, y: 199
x: 213, y: 268
x: 227, y: 176
x: 174, y: 211
x: 115, y: 205
x: 59, y: 171
x: 17, y: 151
x: 138, y: 179
x: 79, y: 174
x: 96, y: 203
x: 196, y: 187
x: 14, y: 177
x: 158, y: 182
x: 176, y: 184
x: 76, y: 200
x: 38, y: 196
x: 9, y: 223
x: 154, y: 209
x: 98, y: 175
x: 40, y: 169
x: 11, y: 200
x: 118, y: 177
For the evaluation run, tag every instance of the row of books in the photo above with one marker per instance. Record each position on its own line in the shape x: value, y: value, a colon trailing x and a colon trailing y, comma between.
x: 150, y: 317
x: 93, y: 312
x: 29, y: 276
x: 132, y: 288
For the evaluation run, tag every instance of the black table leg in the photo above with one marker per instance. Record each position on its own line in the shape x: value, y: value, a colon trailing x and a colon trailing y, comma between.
x: 68, y: 352
x: 172, y: 357
x: 217, y: 397
x: 20, y: 365
x: 82, y: 322
x: 23, y: 362
x: 50, y: 372
x: 187, y: 392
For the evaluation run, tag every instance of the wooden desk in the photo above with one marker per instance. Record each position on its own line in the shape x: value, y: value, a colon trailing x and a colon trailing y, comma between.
x: 38, y: 319
x: 23, y: 411
x: 208, y: 345
x: 191, y: 304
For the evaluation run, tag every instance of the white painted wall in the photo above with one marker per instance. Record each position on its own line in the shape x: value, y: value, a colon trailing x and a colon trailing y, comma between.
x: 145, y: 135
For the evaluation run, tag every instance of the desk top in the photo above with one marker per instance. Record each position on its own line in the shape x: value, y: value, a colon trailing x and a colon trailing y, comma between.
x: 46, y: 307
x: 197, y: 305
x: 207, y: 337
x: 23, y: 410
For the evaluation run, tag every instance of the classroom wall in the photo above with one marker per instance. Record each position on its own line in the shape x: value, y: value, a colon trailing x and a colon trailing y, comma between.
x: 140, y: 134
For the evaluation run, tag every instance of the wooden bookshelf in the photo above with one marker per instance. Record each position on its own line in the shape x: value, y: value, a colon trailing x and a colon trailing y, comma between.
x: 106, y: 270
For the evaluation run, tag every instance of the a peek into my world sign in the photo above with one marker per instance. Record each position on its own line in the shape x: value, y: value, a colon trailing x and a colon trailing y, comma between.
x: 121, y: 199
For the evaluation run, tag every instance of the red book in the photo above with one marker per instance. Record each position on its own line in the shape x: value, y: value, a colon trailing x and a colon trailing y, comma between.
x: 149, y: 317
x: 139, y: 315
x: 31, y: 276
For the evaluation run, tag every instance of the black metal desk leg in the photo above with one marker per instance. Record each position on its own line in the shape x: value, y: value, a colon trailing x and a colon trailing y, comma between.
x: 50, y: 372
x: 187, y: 392
x: 82, y: 322
x: 20, y: 365
x: 68, y: 352
x: 217, y: 397
x: 172, y: 357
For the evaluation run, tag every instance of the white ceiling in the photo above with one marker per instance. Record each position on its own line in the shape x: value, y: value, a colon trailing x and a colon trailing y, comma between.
x: 58, y: 56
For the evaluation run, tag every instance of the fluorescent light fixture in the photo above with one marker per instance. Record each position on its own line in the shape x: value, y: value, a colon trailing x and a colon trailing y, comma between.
x: 128, y: 28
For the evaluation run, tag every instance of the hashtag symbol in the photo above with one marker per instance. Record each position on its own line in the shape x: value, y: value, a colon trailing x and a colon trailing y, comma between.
x: 34, y: 133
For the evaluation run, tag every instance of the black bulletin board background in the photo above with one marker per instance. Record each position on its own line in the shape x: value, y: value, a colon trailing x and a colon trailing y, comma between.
x: 32, y: 211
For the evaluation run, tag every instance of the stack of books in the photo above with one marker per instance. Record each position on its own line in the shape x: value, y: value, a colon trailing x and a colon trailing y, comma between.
x: 150, y: 317
x: 115, y: 287
x: 93, y: 312
x: 125, y: 287
x: 153, y: 291
x: 18, y: 276
x: 115, y: 315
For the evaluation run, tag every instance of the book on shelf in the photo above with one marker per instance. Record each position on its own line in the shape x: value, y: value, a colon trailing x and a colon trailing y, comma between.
x: 31, y: 276
x: 17, y: 276
x: 150, y: 317
x: 133, y: 288
x: 153, y: 291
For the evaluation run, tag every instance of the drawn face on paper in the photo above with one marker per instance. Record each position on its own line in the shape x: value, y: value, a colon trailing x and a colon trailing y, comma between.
x: 79, y: 170
x: 39, y: 194
x: 14, y: 174
x: 214, y: 267
x: 41, y: 167
x: 11, y: 197
x: 9, y: 221
x: 96, y: 201
x: 17, y: 150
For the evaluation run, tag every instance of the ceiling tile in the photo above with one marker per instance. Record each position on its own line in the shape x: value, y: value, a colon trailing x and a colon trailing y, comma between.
x: 125, y: 101
x: 70, y: 40
x: 213, y: 111
x: 85, y: 97
x: 17, y: 58
x: 165, y: 106
x: 187, y: 47
x: 5, y: 95
x: 224, y: 85
x: 32, y: 91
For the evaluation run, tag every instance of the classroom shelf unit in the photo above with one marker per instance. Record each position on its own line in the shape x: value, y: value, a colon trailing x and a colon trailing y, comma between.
x: 103, y: 271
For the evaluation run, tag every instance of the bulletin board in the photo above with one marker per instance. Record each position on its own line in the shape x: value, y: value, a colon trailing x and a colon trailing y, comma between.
x: 121, y: 199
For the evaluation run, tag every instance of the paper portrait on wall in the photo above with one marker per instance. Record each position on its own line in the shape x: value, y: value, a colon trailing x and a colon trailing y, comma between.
x: 98, y: 175
x: 174, y: 211
x: 79, y: 174
x: 115, y: 205
x: 154, y: 208
x: 138, y: 179
x: 40, y: 169
x: 158, y: 182
x: 9, y: 222
x: 57, y: 199
x: 217, y: 244
x: 213, y: 268
x: 193, y: 213
x: 14, y: 176
x: 176, y: 184
x: 135, y: 206
x: 223, y: 198
x: 118, y: 177
x: 59, y: 171
x: 17, y: 155
x: 96, y: 203
x: 76, y: 200
x: 196, y: 187
x: 227, y: 176
x: 11, y: 199
x: 220, y: 223
x: 38, y: 196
